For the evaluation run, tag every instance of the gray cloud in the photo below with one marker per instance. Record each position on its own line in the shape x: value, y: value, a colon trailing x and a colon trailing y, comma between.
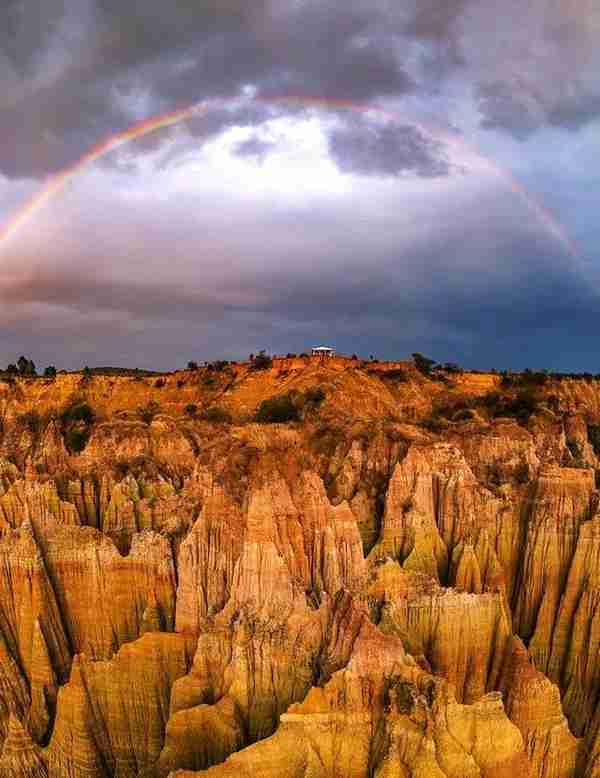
x: 255, y: 147
x: 74, y: 71
x: 387, y: 149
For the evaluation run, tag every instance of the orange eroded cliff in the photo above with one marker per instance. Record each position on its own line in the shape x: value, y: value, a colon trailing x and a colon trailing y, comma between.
x: 401, y: 579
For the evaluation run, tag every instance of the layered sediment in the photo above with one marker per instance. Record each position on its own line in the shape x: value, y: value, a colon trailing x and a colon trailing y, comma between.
x: 401, y: 581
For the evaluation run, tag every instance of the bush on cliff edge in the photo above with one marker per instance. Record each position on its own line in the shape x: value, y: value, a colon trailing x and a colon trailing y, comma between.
x: 277, y: 410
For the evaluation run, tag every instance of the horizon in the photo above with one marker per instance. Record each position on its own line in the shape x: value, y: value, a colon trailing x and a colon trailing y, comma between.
x: 201, y: 363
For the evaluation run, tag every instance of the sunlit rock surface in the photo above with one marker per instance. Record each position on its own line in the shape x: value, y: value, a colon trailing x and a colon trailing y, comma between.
x: 403, y: 581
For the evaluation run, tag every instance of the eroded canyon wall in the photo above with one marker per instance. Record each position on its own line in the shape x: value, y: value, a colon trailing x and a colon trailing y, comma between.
x: 401, y: 581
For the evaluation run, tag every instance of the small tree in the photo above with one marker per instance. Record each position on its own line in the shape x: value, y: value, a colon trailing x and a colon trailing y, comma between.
x: 191, y: 365
x: 26, y: 366
x: 262, y: 361
x: 452, y: 367
x: 12, y: 369
x: 148, y: 412
x: 423, y: 364
x: 50, y: 372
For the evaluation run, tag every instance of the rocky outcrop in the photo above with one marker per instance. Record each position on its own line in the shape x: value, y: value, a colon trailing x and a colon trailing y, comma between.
x: 533, y: 704
x: 560, y: 503
x: 111, y: 715
x: 382, y: 715
x: 103, y: 596
x: 575, y: 640
x: 461, y: 637
x: 20, y: 757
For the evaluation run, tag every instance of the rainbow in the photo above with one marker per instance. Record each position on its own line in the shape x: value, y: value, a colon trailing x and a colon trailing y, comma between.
x: 57, y: 183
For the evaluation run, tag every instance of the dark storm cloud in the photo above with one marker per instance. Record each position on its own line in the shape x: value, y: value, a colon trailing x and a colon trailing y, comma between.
x: 84, y: 293
x: 64, y: 72
x: 74, y: 71
x: 522, y: 112
x: 375, y: 149
x: 502, y: 108
x: 507, y: 305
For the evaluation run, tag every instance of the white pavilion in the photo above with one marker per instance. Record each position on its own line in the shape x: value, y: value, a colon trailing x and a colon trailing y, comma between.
x: 323, y: 351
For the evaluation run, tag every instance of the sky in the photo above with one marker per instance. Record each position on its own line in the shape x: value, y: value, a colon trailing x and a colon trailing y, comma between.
x: 381, y: 176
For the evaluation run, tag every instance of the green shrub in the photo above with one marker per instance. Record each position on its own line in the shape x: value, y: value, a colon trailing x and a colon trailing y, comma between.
x: 522, y: 473
x: 491, y: 399
x: 277, y: 410
x: 315, y: 395
x: 521, y: 407
x: 528, y: 378
x: 77, y: 420
x: 423, y: 364
x: 78, y: 412
x: 452, y: 367
x: 191, y: 409
x: 26, y: 366
x: 217, y: 415
x: 148, y: 412
x: 432, y: 424
x: 397, y: 374
x: 32, y: 421
x: 593, y: 431
x: 76, y: 439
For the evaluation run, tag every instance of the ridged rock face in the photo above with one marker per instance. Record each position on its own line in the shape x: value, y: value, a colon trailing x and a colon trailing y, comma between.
x: 37, y: 503
x: 462, y: 637
x: 105, y: 596
x: 382, y: 714
x: 20, y: 758
x: 111, y: 715
x: 500, y: 452
x: 533, y: 703
x: 32, y: 628
x: 349, y: 595
x: 560, y: 503
x: 575, y: 645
